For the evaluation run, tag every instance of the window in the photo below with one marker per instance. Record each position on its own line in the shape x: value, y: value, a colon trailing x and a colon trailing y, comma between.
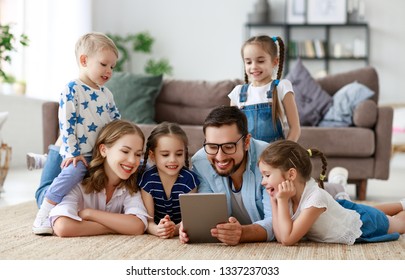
x: 53, y: 27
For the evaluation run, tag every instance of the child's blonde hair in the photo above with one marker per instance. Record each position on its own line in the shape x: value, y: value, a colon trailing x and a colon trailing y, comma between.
x: 109, y: 134
x: 92, y: 42
x: 286, y: 154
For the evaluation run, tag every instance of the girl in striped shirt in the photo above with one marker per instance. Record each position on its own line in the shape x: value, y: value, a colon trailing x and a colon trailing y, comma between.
x: 166, y: 179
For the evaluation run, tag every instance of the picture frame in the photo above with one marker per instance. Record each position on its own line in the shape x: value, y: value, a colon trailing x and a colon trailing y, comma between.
x: 326, y: 11
x: 296, y: 11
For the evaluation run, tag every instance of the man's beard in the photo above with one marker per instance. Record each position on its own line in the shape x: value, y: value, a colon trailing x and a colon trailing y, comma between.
x: 233, y: 169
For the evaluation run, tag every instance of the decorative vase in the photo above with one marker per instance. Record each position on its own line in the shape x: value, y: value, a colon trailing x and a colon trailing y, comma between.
x: 261, y: 12
x: 5, y: 158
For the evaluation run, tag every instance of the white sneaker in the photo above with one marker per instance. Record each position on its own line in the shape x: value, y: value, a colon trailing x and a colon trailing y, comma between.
x: 42, y: 225
x: 36, y: 161
x: 339, y: 176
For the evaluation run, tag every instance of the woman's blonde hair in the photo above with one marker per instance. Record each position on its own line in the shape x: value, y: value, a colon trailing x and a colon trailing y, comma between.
x: 97, y: 178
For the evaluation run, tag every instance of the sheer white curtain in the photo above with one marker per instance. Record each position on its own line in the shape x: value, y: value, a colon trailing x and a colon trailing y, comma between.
x: 12, y: 12
x: 53, y: 27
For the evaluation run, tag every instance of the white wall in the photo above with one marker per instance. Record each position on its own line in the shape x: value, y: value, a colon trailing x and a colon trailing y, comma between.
x: 202, y: 39
x: 23, y: 127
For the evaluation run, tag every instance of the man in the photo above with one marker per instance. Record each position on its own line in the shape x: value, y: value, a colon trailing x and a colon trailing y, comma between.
x: 228, y: 164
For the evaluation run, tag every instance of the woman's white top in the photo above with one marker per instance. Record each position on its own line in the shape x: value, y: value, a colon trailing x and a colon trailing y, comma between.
x: 336, y: 225
x: 258, y: 95
x: 121, y: 202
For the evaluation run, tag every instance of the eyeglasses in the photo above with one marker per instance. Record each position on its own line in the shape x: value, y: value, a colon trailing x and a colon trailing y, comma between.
x: 227, y: 148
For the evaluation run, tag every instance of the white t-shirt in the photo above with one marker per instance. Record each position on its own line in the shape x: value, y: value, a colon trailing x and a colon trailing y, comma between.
x: 121, y: 202
x: 258, y: 95
x: 336, y: 225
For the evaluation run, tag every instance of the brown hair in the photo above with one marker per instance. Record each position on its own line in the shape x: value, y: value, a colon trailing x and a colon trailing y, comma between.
x: 227, y: 115
x: 286, y: 154
x: 162, y: 129
x: 109, y: 134
x: 268, y: 44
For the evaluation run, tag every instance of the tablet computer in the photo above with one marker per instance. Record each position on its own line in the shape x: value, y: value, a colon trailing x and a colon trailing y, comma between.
x: 200, y: 212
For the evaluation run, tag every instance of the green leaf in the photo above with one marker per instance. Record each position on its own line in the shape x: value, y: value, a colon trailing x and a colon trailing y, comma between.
x: 159, y: 67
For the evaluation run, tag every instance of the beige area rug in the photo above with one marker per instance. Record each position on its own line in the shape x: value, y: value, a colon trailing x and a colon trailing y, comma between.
x: 18, y: 243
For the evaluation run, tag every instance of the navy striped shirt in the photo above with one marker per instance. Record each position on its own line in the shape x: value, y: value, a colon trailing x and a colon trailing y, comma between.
x: 151, y: 183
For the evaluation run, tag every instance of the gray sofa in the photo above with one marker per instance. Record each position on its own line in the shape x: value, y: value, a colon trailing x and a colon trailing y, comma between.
x: 364, y: 149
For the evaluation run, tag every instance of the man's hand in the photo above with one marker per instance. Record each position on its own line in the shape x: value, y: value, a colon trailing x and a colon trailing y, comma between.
x: 182, y: 234
x: 229, y: 233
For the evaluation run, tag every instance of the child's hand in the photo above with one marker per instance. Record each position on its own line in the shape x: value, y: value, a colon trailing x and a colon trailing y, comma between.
x: 75, y: 160
x: 166, y: 228
x: 286, y: 190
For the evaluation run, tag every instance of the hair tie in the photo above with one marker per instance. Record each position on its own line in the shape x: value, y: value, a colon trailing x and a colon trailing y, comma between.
x: 276, y: 82
x: 322, y: 177
x: 309, y: 152
x: 274, y: 38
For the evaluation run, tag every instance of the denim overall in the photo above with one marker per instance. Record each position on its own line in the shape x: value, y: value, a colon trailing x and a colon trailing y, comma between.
x: 259, y: 116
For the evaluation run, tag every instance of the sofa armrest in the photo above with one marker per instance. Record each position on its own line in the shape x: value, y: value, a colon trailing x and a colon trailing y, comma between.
x: 50, y: 124
x: 365, y: 114
x: 383, y: 139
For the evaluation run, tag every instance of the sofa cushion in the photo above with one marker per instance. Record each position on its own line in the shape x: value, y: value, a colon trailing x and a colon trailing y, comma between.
x: 312, y: 101
x: 341, y: 142
x: 344, y: 102
x: 135, y: 95
x: 189, y: 101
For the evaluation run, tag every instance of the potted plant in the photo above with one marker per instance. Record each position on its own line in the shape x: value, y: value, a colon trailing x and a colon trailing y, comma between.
x: 8, y: 44
x: 139, y: 42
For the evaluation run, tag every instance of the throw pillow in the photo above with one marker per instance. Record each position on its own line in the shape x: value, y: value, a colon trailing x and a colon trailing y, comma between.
x: 3, y: 118
x: 135, y: 95
x: 345, y: 101
x: 312, y: 101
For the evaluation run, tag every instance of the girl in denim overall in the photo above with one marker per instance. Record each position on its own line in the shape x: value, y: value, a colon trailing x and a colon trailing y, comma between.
x: 268, y: 103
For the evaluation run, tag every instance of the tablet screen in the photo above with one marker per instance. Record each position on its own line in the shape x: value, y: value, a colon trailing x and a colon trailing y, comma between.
x: 200, y: 213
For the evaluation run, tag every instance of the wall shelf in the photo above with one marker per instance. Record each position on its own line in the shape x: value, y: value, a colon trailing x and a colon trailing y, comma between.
x: 325, y: 43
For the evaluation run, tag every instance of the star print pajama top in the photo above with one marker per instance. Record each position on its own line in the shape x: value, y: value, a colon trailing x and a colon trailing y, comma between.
x: 83, y: 112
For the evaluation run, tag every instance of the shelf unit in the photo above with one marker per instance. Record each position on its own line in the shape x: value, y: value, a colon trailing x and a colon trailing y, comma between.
x: 341, y: 36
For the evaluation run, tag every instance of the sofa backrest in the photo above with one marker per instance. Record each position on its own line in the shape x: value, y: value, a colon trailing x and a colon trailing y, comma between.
x: 189, y: 101
x: 367, y: 76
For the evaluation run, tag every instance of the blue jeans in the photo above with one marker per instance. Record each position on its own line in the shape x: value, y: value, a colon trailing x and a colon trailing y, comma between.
x: 56, y: 182
x: 260, y: 122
